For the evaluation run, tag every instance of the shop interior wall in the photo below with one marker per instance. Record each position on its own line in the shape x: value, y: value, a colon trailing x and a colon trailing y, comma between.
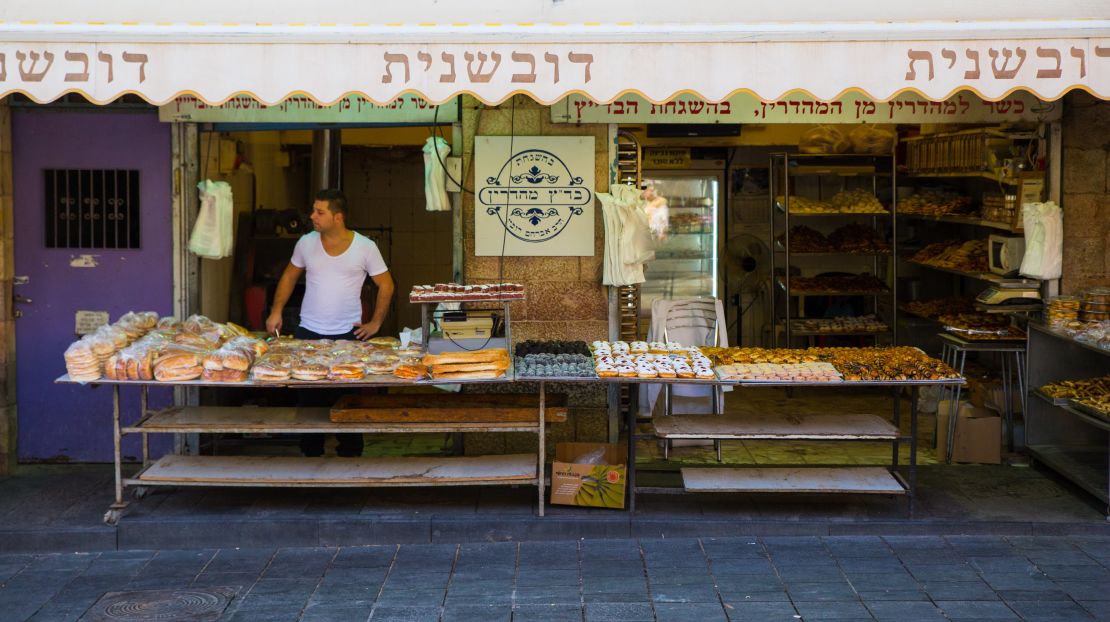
x: 383, y: 178
x: 1086, y: 192
x: 565, y: 297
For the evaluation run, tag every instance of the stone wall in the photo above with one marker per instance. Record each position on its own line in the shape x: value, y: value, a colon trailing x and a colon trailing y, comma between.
x: 1086, y: 192
x: 565, y: 297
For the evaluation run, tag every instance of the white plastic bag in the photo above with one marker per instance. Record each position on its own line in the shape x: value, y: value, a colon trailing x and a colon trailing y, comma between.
x: 213, y: 236
x: 1044, y: 241
x: 436, y: 151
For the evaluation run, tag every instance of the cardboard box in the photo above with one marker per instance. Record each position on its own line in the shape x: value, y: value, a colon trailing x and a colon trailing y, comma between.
x: 591, y: 485
x: 978, y: 437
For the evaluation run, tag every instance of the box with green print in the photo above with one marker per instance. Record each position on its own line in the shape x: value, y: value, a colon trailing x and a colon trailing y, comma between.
x: 599, y: 482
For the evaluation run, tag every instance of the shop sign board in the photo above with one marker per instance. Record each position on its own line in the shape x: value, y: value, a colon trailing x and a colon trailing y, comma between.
x: 666, y: 157
x: 965, y: 107
x: 215, y: 63
x: 534, y: 196
x: 301, y: 109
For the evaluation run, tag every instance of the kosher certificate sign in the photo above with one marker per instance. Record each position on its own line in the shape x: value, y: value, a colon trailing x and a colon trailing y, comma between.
x: 534, y: 196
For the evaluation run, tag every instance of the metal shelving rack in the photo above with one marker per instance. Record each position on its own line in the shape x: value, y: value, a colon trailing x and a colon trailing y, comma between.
x: 1067, y: 440
x: 784, y: 169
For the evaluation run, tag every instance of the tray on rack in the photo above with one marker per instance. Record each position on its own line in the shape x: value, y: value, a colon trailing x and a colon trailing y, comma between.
x: 1089, y: 410
x: 1055, y: 401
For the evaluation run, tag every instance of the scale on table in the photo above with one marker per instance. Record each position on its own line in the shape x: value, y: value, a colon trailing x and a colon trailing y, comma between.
x: 1011, y: 295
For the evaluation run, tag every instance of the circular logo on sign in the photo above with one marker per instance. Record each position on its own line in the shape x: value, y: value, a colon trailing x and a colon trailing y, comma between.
x: 535, y: 195
x: 613, y: 477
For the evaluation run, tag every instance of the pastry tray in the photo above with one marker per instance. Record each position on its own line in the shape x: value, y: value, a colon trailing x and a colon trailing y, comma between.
x: 1087, y: 410
x: 1055, y: 401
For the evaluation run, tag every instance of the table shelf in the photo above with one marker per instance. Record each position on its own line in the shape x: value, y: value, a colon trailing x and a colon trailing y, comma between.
x: 178, y: 470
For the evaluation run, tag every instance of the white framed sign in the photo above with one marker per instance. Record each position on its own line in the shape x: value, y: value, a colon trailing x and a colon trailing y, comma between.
x: 534, y: 196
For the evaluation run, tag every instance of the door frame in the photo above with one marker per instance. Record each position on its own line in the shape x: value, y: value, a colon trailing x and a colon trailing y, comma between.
x: 185, y: 162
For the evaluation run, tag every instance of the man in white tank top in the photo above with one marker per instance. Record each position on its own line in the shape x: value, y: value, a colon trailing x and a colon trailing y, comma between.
x: 335, y: 262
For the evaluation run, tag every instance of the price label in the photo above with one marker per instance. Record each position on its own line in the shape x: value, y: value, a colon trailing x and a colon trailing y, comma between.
x: 88, y: 321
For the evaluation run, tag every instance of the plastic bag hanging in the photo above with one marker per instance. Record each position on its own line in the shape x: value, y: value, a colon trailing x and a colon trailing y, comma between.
x: 1044, y: 241
x: 436, y: 151
x: 213, y: 236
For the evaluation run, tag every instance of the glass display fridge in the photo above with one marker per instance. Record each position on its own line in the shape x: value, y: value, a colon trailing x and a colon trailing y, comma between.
x: 687, y: 249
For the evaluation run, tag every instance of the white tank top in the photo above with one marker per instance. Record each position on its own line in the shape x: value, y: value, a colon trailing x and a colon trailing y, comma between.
x: 332, y: 303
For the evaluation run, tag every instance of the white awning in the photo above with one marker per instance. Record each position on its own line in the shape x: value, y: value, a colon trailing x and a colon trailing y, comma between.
x: 549, y: 49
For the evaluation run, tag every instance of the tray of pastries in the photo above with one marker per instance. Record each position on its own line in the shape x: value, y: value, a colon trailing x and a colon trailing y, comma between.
x: 454, y: 292
x: 837, y: 285
x: 876, y: 364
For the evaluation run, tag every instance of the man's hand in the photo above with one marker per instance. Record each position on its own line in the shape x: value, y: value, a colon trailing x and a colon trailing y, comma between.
x: 367, y: 330
x: 273, y: 324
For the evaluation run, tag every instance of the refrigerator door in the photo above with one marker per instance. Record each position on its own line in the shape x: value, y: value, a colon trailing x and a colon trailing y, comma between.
x: 686, y: 256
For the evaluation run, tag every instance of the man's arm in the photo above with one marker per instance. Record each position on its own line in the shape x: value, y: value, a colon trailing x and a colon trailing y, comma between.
x: 285, y: 287
x: 381, y: 306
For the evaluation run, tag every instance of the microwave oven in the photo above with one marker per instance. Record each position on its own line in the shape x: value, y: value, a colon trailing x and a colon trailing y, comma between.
x: 1004, y: 254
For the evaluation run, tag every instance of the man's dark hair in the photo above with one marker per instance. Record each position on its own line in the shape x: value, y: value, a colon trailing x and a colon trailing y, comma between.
x: 337, y: 202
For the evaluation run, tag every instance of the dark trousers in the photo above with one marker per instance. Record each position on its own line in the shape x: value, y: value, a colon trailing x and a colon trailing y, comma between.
x: 312, y: 445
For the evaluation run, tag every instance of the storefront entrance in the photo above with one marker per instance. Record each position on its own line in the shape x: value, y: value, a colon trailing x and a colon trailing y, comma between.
x: 93, y: 233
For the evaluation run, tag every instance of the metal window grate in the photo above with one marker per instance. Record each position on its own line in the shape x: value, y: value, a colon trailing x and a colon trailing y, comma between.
x: 92, y: 208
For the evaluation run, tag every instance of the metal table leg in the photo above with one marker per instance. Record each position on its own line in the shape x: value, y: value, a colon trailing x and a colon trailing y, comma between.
x: 954, y: 409
x: 540, y: 468
x: 1007, y: 400
x: 667, y: 413
x: 142, y: 415
x: 631, y: 422
x: 115, y: 510
x: 913, y: 447
x: 897, y: 420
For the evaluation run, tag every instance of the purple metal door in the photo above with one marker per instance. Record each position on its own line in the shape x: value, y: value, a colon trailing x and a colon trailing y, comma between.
x: 68, y: 422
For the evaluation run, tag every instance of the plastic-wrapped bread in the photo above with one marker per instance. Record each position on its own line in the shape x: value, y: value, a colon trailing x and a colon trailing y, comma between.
x: 205, y: 328
x: 273, y: 367
x: 179, y: 362
x: 313, y: 369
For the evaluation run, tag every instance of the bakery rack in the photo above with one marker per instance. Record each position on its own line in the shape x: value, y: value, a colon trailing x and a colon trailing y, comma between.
x: 1067, y: 440
x: 876, y: 173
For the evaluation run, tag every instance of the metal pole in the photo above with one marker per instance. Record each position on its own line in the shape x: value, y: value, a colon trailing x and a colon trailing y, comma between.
x: 631, y: 460
x: 913, y: 447
x: 143, y: 414
x: 542, y: 446
x: 116, y: 444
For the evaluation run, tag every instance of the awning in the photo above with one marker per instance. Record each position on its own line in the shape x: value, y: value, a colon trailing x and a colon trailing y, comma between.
x: 550, y: 49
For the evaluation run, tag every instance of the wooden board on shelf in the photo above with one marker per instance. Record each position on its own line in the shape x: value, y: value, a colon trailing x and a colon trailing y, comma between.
x: 862, y: 480
x: 295, y: 420
x: 294, y: 471
x: 776, y: 426
x: 490, y: 408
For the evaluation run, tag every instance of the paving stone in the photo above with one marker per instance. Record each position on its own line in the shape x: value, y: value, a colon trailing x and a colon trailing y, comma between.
x: 1011, y: 565
x: 565, y: 576
x: 1086, y: 590
x: 757, y: 582
x: 684, y: 594
x: 364, y: 557
x: 685, y: 612
x: 729, y: 595
x: 1076, y: 572
x: 959, y: 590
x: 405, y: 614
x: 1036, y: 611
x: 894, y: 611
x: 1043, y: 594
x: 821, y: 591
x: 548, y: 613
x: 546, y: 595
x: 1017, y: 581
x: 893, y: 594
x: 760, y: 611
x: 619, y: 612
x: 975, y: 609
x: 943, y: 572
x: 831, y: 610
x: 410, y: 598
x: 725, y: 548
x: 892, y: 580
x: 622, y: 597
x: 470, y: 613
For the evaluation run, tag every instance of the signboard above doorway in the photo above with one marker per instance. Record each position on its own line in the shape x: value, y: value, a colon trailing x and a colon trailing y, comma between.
x: 299, y: 109
x: 964, y: 107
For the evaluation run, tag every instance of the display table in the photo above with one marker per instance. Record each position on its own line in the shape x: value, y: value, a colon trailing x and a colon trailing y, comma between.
x: 517, y: 469
x: 1012, y: 354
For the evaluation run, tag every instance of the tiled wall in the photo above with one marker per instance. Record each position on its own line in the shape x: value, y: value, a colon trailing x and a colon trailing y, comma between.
x: 565, y: 297
x: 385, y: 188
x: 1086, y: 192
